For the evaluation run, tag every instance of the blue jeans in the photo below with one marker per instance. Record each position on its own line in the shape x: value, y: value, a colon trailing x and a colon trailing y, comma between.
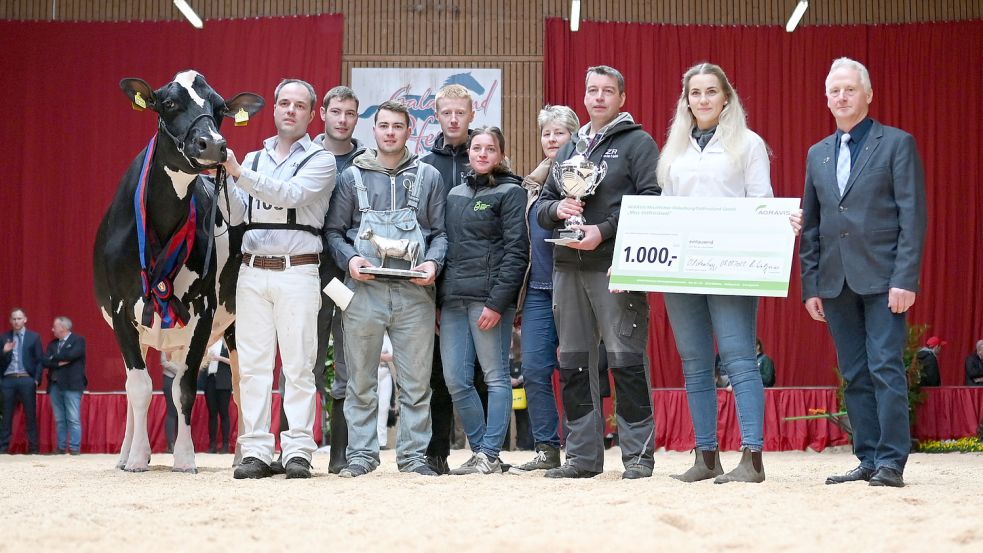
x: 67, y: 407
x: 407, y: 312
x: 696, y: 319
x: 460, y: 342
x: 869, y: 342
x: 539, y: 343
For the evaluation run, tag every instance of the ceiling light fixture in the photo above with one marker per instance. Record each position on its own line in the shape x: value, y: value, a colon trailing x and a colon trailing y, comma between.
x: 189, y: 13
x: 797, y: 13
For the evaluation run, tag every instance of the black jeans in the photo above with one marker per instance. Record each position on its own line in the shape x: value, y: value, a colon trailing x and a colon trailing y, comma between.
x: 218, y: 407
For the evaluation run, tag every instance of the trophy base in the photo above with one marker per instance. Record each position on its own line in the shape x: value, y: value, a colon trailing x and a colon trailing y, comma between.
x: 562, y: 241
x: 567, y: 237
x: 384, y: 272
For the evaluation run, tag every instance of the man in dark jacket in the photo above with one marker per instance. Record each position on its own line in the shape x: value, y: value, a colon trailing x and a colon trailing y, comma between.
x: 454, y: 109
x: 586, y: 311
x: 65, y: 360
x: 339, y: 111
x: 928, y: 359
x: 20, y: 371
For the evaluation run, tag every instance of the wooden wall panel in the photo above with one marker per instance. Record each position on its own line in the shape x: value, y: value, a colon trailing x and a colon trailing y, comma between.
x: 492, y: 33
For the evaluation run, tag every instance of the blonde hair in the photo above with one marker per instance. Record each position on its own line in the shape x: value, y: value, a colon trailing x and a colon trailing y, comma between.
x: 561, y: 115
x: 731, y: 129
x: 450, y: 92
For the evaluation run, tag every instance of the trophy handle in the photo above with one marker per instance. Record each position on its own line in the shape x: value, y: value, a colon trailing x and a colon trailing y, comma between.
x: 555, y: 171
x: 601, y: 173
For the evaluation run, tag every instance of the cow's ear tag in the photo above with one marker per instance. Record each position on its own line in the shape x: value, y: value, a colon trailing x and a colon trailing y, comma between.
x: 241, y: 118
x: 139, y: 103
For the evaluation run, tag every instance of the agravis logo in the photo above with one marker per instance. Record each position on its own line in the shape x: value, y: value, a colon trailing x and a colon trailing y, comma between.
x: 763, y: 210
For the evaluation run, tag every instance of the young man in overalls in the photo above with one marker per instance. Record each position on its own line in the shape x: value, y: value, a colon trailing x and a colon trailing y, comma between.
x: 387, y: 191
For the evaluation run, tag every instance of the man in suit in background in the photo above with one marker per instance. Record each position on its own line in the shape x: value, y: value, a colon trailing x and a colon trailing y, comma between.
x: 863, y: 234
x: 65, y: 360
x: 20, y: 367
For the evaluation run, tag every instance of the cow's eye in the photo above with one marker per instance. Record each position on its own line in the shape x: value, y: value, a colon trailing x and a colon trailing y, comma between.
x: 168, y: 104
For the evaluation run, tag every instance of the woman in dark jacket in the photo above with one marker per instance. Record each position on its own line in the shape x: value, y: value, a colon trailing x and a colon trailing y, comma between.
x: 488, y: 251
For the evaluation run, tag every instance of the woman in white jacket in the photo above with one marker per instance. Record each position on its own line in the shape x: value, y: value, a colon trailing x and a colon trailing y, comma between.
x: 711, y: 152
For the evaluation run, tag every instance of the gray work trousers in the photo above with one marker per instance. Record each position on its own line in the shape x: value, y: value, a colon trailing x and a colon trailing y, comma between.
x: 586, y: 313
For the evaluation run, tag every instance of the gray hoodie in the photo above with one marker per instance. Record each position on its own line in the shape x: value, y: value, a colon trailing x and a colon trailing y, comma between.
x: 343, y: 219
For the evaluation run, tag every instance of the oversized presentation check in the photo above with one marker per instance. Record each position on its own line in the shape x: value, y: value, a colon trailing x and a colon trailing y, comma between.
x: 692, y: 245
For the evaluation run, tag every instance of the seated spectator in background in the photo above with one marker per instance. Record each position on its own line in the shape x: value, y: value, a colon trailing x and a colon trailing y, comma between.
x: 974, y: 366
x: 218, y: 392
x: 719, y: 378
x: 20, y: 375
x: 929, y: 361
x: 65, y: 360
x: 169, y: 370
x: 765, y: 366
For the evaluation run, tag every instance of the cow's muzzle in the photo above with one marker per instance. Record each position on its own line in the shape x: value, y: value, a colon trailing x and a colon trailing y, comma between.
x: 203, y: 150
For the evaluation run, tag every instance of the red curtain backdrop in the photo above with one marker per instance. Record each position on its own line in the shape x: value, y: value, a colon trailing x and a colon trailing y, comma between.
x: 924, y: 77
x: 69, y: 134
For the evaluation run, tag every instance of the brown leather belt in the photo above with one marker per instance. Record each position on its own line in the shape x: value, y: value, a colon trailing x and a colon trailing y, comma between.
x: 278, y: 263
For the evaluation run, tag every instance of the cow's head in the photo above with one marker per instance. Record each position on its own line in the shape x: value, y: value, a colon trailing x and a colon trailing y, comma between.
x: 190, y: 113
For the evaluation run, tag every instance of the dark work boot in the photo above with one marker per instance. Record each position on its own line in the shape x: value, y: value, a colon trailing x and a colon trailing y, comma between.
x: 706, y: 466
x: 750, y: 469
x: 339, y: 437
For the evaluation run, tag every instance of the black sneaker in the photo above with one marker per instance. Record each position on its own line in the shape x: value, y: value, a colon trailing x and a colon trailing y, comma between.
x: 252, y: 468
x: 353, y: 470
x: 547, y: 457
x: 569, y: 471
x: 636, y: 471
x: 438, y: 464
x: 424, y: 470
x: 298, y: 467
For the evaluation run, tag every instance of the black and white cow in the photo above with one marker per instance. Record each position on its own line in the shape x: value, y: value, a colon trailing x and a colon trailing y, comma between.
x: 152, y: 279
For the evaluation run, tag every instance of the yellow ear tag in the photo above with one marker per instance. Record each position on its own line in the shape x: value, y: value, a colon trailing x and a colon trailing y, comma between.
x: 139, y: 103
x: 241, y: 118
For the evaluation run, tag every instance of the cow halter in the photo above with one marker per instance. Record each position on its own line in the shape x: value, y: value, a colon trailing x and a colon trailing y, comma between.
x: 180, y: 144
x: 161, y: 264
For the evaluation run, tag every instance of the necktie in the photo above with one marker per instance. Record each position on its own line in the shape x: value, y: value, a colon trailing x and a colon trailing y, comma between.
x: 61, y: 343
x: 843, y: 163
x: 15, y: 362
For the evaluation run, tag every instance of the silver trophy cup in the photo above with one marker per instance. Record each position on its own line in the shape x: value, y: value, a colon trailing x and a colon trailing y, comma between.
x: 578, y: 177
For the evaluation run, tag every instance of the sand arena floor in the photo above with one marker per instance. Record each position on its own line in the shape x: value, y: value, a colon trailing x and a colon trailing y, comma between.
x: 62, y: 503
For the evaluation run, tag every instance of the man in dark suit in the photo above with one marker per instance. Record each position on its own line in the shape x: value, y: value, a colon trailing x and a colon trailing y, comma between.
x: 65, y: 360
x: 20, y: 367
x: 862, y: 240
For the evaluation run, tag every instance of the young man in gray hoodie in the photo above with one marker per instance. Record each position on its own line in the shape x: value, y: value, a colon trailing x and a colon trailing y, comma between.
x: 388, y: 191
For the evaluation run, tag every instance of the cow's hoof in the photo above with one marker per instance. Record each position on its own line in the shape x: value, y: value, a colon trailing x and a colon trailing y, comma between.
x: 135, y: 469
x: 186, y: 470
x: 121, y: 465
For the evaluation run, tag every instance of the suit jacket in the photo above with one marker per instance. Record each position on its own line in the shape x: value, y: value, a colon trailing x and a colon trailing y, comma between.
x: 873, y: 235
x: 30, y: 352
x: 974, y: 370
x: 70, y: 376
